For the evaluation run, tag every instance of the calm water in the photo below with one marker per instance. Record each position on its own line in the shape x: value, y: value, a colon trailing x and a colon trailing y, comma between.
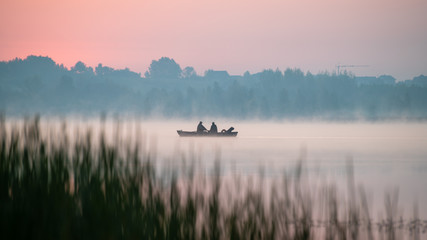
x: 385, y: 156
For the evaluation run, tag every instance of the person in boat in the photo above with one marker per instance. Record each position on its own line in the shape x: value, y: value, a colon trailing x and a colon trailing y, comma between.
x: 213, y: 129
x: 200, y: 127
x: 227, y: 131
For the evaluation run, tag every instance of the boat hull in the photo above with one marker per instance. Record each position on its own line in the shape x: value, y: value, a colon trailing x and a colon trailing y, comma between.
x: 205, y: 134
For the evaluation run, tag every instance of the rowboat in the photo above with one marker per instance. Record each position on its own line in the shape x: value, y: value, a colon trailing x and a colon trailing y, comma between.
x: 206, y: 134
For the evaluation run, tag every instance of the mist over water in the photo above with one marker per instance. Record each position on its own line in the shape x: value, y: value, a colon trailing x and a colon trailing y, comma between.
x: 385, y: 156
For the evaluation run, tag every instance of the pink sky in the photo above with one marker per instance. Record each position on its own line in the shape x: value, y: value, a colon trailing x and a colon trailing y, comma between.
x: 234, y: 35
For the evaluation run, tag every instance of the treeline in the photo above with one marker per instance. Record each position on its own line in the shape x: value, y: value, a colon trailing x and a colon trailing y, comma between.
x: 39, y: 85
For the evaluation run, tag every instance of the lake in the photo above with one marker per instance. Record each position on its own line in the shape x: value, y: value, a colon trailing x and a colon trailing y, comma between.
x: 384, y: 156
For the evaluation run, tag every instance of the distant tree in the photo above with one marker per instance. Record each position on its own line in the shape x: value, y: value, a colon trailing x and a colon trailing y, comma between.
x: 247, y: 75
x: 66, y: 83
x: 103, y: 70
x: 293, y: 74
x: 419, y: 81
x: 39, y: 60
x: 80, y: 67
x: 271, y: 80
x: 387, y: 79
x: 33, y: 84
x: 164, y: 68
x: 309, y: 75
x: 189, y: 72
x: 271, y: 76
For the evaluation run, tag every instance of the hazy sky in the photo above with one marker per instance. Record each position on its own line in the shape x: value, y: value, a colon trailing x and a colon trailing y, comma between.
x: 234, y: 35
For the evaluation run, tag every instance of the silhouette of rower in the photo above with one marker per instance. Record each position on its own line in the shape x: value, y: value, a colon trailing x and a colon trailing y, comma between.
x: 213, y: 129
x: 227, y: 131
x: 200, y: 127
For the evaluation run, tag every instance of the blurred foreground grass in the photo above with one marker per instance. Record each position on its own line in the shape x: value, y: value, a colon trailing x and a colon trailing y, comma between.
x: 57, y: 188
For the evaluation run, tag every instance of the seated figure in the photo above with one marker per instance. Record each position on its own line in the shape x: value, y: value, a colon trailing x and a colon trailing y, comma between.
x: 200, y: 127
x: 227, y: 131
x: 213, y: 129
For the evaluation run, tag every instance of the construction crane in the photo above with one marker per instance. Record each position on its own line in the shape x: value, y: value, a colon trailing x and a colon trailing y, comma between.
x: 348, y: 66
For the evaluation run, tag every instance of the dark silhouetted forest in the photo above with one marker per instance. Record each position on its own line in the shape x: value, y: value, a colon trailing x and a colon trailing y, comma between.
x: 40, y: 85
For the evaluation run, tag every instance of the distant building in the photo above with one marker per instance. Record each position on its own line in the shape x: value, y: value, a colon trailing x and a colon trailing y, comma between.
x: 217, y: 75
